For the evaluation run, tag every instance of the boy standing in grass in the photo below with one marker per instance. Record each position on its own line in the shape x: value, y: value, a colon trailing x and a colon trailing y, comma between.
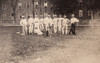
x: 74, y: 21
x: 24, y: 23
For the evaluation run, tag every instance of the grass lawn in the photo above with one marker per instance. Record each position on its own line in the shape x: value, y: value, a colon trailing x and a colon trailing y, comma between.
x: 27, y: 45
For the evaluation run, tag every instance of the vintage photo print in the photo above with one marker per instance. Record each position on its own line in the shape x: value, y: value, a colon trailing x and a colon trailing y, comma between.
x: 49, y: 31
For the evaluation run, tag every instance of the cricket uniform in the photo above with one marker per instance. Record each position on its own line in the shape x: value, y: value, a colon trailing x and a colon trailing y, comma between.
x: 24, y: 23
x: 41, y: 26
x: 30, y: 22
x: 50, y: 22
x: 55, y: 20
x: 65, y: 25
x: 60, y: 24
x: 50, y: 26
x: 73, y: 25
x: 46, y: 22
x: 36, y: 27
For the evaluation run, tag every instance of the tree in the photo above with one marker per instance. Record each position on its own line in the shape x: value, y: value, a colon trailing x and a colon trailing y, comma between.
x: 96, y: 4
x: 14, y: 6
x: 89, y: 4
x: 33, y: 7
x: 64, y: 6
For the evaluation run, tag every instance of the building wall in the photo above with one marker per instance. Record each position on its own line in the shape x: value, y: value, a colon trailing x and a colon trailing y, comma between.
x: 42, y: 8
x: 82, y: 6
x: 5, y: 11
x: 24, y: 7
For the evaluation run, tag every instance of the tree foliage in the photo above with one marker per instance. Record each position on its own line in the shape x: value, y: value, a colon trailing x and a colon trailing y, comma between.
x: 96, y: 4
x: 64, y: 6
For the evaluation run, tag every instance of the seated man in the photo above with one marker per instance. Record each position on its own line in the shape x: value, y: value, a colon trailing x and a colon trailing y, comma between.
x: 36, y: 26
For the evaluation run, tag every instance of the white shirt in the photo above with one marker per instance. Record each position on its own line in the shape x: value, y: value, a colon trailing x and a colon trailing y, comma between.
x: 36, y: 22
x: 55, y: 20
x: 23, y: 22
x: 41, y: 21
x: 30, y: 21
x: 65, y: 21
x: 73, y: 20
x: 59, y: 21
x: 50, y: 21
x: 46, y: 21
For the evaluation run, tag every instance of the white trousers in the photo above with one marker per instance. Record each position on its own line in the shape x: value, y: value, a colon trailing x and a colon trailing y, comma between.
x: 41, y: 27
x: 59, y: 28
x: 47, y: 27
x: 55, y: 28
x: 65, y: 29
x: 31, y: 28
x: 24, y: 29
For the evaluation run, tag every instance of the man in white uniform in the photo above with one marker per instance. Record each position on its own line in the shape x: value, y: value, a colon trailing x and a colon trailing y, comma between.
x: 55, y: 19
x: 50, y: 21
x: 36, y: 26
x: 41, y: 22
x: 65, y: 25
x: 48, y: 24
x: 74, y: 21
x: 23, y: 23
x: 60, y: 19
x: 30, y: 22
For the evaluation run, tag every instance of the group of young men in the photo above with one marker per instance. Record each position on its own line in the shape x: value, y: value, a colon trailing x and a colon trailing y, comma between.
x: 48, y: 25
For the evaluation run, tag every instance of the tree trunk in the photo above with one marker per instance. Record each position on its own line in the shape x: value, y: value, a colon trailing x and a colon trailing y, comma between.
x: 33, y: 7
x: 14, y: 16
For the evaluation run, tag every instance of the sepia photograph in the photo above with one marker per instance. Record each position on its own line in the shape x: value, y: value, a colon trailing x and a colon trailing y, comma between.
x: 49, y: 31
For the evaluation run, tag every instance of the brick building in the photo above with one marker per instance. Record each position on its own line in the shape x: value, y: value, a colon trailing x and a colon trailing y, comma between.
x: 37, y: 7
x: 82, y: 11
x: 5, y: 11
x: 42, y: 7
x: 23, y: 7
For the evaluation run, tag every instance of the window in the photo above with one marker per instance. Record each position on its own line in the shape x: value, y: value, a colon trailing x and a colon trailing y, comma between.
x: 4, y: 16
x: 8, y: 15
x: 89, y: 12
x: 4, y: 6
x: 28, y: 4
x: 45, y: 4
x: 80, y: 13
x: 0, y: 15
x: 36, y: 4
x: 19, y: 5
